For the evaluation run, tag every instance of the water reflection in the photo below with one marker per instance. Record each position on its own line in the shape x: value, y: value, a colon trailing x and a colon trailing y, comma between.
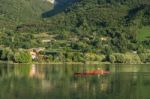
x: 36, y: 72
x: 59, y: 82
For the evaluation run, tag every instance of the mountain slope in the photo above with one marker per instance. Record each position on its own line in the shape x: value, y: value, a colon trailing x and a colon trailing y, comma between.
x: 86, y: 25
x: 22, y: 10
x: 118, y: 20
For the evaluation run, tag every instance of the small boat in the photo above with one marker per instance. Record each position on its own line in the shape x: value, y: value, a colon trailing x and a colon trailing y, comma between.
x: 92, y: 72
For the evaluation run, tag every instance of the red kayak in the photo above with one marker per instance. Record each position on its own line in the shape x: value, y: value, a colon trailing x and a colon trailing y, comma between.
x: 93, y: 72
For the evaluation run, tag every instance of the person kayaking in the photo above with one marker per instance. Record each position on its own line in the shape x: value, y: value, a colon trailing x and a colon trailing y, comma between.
x: 99, y: 71
x: 102, y: 71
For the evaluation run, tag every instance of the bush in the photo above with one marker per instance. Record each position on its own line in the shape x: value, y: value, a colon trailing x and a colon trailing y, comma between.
x: 94, y: 57
x: 131, y: 58
x: 145, y: 57
x: 112, y: 58
x: 22, y: 57
x: 125, y: 58
x: 10, y: 55
x: 78, y: 57
x: 50, y: 57
x: 119, y: 58
x: 6, y: 54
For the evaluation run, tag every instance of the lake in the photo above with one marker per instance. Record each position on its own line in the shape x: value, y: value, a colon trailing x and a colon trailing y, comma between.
x: 59, y: 82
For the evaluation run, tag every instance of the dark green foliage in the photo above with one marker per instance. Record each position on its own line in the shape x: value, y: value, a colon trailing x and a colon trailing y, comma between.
x: 146, y: 43
x: 5, y: 54
x: 13, y: 12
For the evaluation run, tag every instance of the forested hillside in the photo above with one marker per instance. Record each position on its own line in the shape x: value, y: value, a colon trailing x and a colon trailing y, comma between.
x: 13, y: 12
x: 97, y: 18
x: 101, y: 27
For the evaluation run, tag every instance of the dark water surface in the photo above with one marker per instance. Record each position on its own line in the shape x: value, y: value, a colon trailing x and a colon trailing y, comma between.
x: 59, y: 82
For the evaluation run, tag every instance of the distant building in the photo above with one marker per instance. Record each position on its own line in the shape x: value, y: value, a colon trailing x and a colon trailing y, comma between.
x: 51, y: 1
x: 34, y: 52
x: 37, y: 50
x: 46, y: 41
x: 33, y: 55
x: 134, y: 52
x: 104, y: 38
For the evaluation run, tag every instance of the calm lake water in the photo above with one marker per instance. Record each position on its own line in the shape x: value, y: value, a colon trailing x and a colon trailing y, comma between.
x: 59, y: 82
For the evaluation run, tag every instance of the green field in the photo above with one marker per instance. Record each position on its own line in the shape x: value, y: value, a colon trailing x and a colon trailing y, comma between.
x: 144, y: 33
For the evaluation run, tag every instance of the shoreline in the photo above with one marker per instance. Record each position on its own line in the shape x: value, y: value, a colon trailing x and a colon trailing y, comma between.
x: 73, y: 63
